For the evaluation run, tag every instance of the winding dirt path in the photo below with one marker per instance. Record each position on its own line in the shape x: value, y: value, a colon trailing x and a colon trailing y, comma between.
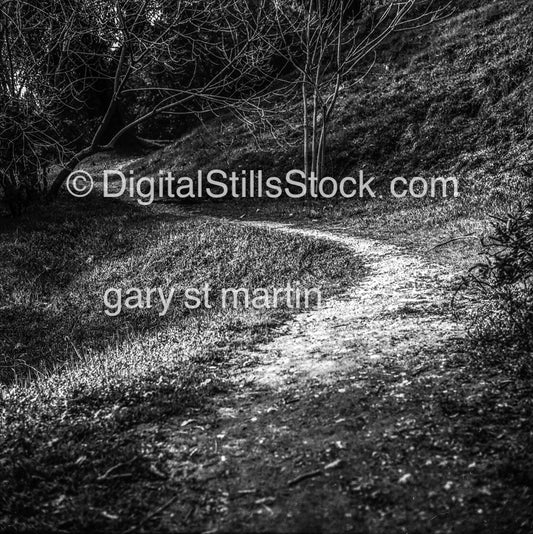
x: 306, y: 441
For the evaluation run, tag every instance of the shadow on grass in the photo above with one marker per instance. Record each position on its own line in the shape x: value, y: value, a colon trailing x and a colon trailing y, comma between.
x: 52, y: 262
x: 81, y: 466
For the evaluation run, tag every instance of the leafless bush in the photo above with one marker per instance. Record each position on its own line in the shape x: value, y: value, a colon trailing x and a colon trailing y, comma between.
x: 503, y: 282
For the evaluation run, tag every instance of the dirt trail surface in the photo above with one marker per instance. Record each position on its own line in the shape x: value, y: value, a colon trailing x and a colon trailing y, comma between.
x: 345, y: 332
x: 348, y: 421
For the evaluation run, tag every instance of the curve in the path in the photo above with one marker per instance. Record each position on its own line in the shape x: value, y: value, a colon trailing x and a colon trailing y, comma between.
x: 400, y: 307
x: 240, y: 462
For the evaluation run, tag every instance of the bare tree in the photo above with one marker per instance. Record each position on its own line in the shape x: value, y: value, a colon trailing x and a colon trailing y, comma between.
x: 326, y: 43
x: 159, y: 57
x: 158, y: 32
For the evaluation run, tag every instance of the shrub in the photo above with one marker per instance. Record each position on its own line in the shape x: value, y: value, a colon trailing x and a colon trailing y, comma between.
x: 504, y: 280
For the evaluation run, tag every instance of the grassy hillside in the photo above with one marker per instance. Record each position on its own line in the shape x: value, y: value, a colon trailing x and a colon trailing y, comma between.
x: 56, y: 269
x: 453, y: 99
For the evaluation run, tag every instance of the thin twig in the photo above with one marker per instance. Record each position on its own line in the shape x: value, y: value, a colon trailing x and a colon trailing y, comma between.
x: 453, y: 239
x: 114, y: 468
x: 303, y: 477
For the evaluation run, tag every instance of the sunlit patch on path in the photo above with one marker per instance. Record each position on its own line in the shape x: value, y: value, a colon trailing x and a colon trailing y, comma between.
x: 397, y: 308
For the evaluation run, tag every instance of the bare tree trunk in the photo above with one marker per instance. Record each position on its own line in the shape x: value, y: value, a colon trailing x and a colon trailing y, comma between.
x: 322, y: 147
x: 239, y: 50
x: 334, y: 46
x: 314, y: 131
x: 69, y: 168
x: 305, y: 129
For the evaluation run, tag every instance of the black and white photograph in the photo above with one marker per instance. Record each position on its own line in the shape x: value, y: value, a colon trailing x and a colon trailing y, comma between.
x: 266, y: 266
